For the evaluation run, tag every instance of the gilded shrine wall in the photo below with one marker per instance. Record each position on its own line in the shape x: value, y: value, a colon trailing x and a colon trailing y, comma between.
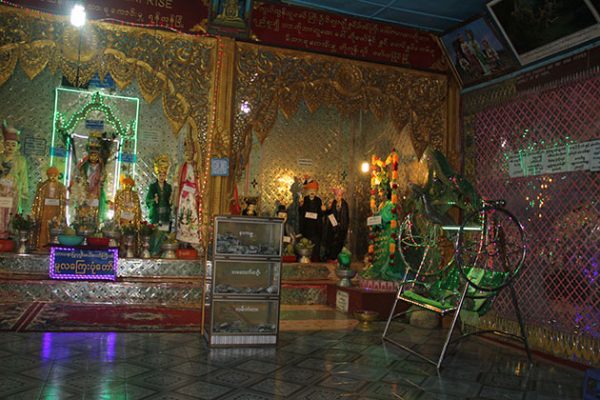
x: 300, y: 114
x: 248, y: 102
x: 171, y: 76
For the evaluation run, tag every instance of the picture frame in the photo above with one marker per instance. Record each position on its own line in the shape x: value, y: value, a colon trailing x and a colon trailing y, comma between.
x: 536, y: 29
x: 230, y: 17
x: 477, y: 53
x: 219, y: 166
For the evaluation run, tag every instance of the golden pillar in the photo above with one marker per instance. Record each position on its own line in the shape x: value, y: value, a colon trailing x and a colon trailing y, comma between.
x: 220, y: 129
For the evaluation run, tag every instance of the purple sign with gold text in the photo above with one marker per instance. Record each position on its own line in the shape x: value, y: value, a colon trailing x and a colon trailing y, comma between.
x: 83, y: 264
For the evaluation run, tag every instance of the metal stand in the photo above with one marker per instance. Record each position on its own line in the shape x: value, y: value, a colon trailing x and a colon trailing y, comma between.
x: 444, y: 311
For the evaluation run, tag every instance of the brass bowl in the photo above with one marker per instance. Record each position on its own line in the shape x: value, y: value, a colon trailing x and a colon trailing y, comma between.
x: 366, y: 316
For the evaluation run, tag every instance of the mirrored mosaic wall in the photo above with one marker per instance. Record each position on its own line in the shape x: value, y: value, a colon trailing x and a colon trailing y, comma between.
x: 558, y: 288
x: 328, y: 147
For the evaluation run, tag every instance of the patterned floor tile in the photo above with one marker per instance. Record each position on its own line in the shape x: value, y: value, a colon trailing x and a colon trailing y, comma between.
x: 204, y: 390
x: 317, y: 364
x: 308, y: 365
x: 194, y: 368
x: 403, y: 378
x: 13, y: 383
x: 343, y: 382
x: 233, y: 378
x: 385, y: 391
x: 261, y: 367
x: 497, y: 393
x: 56, y: 391
x: 318, y: 393
x: 357, y: 371
x: 302, y: 348
x: 570, y: 390
x: 135, y: 392
x: 296, y: 374
x: 161, y: 380
x: 15, y: 363
x: 168, y: 396
x: 276, y: 387
x: 244, y: 394
x: 439, y: 384
x: 505, y: 381
x: 336, y: 355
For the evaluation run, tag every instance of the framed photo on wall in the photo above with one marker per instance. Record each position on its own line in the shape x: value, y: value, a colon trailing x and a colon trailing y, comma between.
x: 477, y: 53
x: 536, y: 29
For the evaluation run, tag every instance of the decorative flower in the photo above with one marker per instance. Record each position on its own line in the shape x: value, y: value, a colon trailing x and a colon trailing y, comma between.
x: 129, y: 229
x: 304, y: 243
x: 22, y: 223
x: 147, y: 229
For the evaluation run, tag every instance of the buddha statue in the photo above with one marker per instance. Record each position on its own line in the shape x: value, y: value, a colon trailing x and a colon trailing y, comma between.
x: 88, y: 190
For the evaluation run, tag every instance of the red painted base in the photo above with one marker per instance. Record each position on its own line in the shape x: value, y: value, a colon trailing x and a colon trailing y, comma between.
x: 364, y: 300
x: 7, y: 245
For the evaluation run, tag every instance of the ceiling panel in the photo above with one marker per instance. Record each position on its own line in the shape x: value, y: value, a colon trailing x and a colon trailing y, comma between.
x: 430, y: 15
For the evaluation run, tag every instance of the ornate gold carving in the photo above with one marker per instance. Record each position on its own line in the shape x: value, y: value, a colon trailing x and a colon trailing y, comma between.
x: 163, y: 63
x: 34, y: 57
x: 269, y: 80
x: 9, y: 54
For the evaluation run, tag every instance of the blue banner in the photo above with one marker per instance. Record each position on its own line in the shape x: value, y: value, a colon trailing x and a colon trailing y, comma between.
x: 58, y: 152
x: 94, y: 124
x: 83, y: 264
x: 127, y: 158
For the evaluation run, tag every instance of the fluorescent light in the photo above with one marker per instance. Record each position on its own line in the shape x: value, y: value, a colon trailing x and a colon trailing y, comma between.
x: 78, y: 16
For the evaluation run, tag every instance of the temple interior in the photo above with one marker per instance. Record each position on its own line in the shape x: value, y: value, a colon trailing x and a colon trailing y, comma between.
x: 299, y: 199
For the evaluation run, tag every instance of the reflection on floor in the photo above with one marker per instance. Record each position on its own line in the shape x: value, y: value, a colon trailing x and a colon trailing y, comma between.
x: 337, y: 363
x: 296, y: 318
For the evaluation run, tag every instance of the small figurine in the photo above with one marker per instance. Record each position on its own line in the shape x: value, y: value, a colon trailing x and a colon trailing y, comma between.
x: 292, y: 210
x: 250, y: 208
x: 310, y: 215
x: 48, y: 206
x: 158, y: 198
x: 13, y: 179
x: 188, y: 196
x: 337, y: 219
x: 127, y: 204
x: 88, y: 189
x: 289, y: 233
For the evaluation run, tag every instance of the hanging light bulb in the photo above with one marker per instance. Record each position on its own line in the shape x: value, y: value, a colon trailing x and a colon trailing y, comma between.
x: 78, y: 16
x: 364, y: 167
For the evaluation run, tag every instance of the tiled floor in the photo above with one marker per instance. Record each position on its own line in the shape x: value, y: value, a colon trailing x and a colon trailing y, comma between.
x: 313, y: 365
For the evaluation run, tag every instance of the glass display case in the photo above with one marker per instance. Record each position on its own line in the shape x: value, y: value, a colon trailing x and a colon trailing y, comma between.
x: 244, y: 282
x: 248, y: 237
x: 233, y: 277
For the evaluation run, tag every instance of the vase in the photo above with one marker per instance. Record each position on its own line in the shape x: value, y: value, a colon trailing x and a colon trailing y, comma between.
x: 129, y: 243
x: 85, y: 231
x: 345, y: 276
x: 145, y: 247
x: 366, y: 317
x: 23, y: 236
x: 113, y: 235
x: 304, y: 255
x: 169, y: 250
x: 54, y: 232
